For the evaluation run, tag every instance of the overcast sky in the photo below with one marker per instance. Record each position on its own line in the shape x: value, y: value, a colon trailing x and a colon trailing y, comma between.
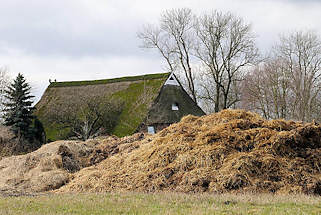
x: 96, y: 39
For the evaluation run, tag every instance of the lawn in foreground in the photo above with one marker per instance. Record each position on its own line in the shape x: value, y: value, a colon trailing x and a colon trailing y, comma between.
x: 159, y: 203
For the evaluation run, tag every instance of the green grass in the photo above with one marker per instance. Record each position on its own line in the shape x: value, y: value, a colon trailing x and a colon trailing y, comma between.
x: 159, y: 203
x: 107, y: 81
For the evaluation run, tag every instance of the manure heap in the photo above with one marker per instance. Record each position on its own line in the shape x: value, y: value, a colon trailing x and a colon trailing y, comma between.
x: 230, y: 151
x: 47, y: 168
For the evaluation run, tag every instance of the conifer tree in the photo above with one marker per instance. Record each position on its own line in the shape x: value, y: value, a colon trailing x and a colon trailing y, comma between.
x: 18, y: 108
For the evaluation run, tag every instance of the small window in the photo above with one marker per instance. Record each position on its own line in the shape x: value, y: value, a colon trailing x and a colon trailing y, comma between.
x: 171, y: 78
x: 151, y: 129
x: 174, y: 106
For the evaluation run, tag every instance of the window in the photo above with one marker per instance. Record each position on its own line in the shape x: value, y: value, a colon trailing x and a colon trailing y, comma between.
x: 151, y: 129
x: 175, y: 106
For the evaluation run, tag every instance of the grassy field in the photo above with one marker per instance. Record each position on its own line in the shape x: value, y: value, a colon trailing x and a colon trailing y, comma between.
x: 160, y: 203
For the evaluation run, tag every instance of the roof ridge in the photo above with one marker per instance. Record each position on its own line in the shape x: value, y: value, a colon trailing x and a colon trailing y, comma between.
x: 108, y: 81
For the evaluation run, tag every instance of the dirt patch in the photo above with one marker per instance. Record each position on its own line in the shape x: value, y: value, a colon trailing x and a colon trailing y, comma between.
x: 230, y: 151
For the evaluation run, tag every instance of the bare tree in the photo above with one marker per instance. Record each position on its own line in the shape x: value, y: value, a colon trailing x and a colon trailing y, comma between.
x: 289, y: 84
x: 222, y: 43
x: 225, y: 46
x: 4, y: 83
x: 301, y: 52
x: 87, y: 117
x: 266, y: 90
x: 174, y: 39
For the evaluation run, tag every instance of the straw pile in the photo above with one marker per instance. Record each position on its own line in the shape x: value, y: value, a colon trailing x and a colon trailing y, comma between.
x: 48, y: 168
x: 112, y: 145
x: 230, y: 151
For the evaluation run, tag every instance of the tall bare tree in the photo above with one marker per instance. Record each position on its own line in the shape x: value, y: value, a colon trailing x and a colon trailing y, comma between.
x: 301, y: 52
x: 289, y: 84
x: 225, y: 46
x: 221, y: 42
x: 266, y: 90
x: 174, y: 39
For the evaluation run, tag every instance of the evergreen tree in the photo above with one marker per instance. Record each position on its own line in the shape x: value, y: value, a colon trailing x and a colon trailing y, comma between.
x: 18, y: 108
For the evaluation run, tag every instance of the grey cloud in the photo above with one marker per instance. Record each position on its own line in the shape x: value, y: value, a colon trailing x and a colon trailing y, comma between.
x: 53, y: 28
x: 52, y: 42
x: 303, y: 1
x: 65, y: 39
x: 70, y: 28
x: 290, y: 1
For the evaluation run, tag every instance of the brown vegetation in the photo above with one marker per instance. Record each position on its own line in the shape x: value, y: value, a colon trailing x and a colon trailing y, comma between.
x: 48, y: 168
x: 227, y: 152
x: 230, y: 151
x: 8, y: 144
x: 12, y: 145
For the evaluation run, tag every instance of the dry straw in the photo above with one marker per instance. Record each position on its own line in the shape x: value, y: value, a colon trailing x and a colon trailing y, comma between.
x: 48, y: 168
x: 230, y: 151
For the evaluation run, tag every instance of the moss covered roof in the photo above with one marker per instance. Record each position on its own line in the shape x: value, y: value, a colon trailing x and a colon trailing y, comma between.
x: 109, y: 81
x: 137, y: 93
x: 146, y: 101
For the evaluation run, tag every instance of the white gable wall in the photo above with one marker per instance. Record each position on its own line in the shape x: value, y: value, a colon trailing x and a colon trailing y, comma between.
x: 171, y: 80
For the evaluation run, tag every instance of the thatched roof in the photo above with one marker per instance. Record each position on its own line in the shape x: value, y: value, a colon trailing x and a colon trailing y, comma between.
x: 109, y: 81
x: 137, y: 93
x: 147, y: 99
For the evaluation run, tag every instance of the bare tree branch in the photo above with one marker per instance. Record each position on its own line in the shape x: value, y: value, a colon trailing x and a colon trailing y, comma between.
x: 226, y: 45
x: 174, y: 39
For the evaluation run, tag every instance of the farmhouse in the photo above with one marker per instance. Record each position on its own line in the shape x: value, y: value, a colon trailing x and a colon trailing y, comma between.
x: 171, y: 104
x: 151, y: 102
